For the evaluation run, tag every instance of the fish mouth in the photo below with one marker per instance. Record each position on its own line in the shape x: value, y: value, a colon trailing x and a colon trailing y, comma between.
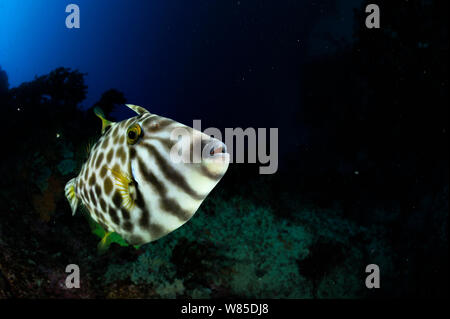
x: 218, y: 158
x: 216, y: 149
x: 215, y: 157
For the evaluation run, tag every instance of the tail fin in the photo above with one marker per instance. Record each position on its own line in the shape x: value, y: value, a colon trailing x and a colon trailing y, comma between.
x: 71, y: 195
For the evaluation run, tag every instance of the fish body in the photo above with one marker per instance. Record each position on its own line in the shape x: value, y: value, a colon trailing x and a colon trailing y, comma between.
x: 131, y: 184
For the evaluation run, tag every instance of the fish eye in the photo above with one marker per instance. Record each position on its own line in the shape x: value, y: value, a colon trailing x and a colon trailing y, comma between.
x: 134, y: 132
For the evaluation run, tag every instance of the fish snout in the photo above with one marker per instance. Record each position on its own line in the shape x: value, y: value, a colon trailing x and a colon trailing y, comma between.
x: 214, y: 148
x: 215, y: 156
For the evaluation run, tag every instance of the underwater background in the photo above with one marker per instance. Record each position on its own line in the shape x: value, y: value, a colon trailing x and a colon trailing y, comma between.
x: 363, y: 145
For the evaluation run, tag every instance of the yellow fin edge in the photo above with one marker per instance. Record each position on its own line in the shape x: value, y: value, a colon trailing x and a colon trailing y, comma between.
x: 103, y: 245
x: 71, y: 195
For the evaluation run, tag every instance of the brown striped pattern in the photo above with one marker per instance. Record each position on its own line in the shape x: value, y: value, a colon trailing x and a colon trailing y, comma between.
x: 163, y: 195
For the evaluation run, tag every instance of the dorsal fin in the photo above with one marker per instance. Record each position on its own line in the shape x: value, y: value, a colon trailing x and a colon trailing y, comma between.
x: 138, y: 109
x: 105, y: 123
